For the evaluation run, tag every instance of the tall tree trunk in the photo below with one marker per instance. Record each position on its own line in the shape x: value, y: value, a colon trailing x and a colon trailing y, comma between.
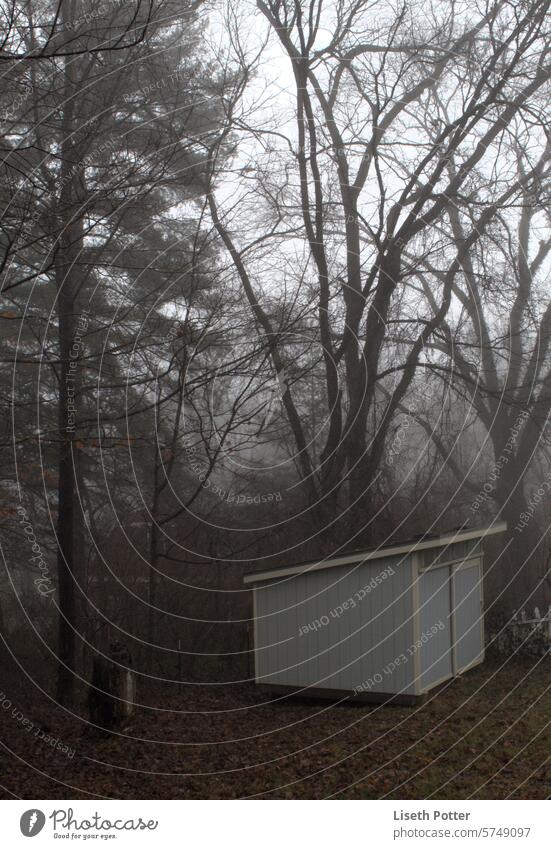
x: 153, y: 549
x: 152, y: 595
x: 68, y: 395
x: 69, y: 247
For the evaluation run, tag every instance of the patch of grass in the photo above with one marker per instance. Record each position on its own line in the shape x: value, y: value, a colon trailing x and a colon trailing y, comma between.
x: 485, y: 735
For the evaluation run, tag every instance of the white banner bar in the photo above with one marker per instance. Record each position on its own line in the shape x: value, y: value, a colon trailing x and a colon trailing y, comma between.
x: 273, y: 824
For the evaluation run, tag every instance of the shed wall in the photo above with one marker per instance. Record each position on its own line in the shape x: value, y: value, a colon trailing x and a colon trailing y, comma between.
x: 451, y: 620
x: 435, y: 626
x: 468, y: 616
x: 347, y: 628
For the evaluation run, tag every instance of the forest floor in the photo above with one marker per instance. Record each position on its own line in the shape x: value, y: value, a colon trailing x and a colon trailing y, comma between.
x: 484, y: 735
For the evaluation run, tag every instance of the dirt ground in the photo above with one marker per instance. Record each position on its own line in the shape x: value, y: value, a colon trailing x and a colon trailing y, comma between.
x: 485, y: 735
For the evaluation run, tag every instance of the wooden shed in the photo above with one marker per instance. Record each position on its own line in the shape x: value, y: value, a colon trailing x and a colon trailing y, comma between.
x: 394, y: 621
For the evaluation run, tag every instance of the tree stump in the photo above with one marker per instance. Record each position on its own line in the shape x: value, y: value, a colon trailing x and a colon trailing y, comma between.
x: 112, y: 691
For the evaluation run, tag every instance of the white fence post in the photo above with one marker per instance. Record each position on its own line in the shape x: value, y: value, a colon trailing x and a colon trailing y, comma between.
x: 527, y: 634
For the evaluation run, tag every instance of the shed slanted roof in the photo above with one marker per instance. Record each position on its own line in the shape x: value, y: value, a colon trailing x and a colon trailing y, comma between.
x: 407, y: 546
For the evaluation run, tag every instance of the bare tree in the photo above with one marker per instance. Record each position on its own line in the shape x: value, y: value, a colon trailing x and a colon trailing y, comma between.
x: 497, y: 345
x: 362, y: 180
x: 88, y: 170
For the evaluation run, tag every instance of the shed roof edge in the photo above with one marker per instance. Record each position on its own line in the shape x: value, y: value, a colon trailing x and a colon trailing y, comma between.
x: 375, y: 554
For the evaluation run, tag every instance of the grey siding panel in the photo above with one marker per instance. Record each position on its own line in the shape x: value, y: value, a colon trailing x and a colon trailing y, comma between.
x: 275, y: 628
x: 400, y: 614
x: 315, y: 670
x: 354, y: 643
x: 351, y: 623
x: 288, y: 656
x: 262, y: 637
x: 289, y: 648
x: 434, y: 601
x: 468, y: 615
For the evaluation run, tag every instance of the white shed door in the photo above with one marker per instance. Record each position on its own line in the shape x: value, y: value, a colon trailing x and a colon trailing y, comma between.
x: 468, y: 619
x: 435, y: 627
